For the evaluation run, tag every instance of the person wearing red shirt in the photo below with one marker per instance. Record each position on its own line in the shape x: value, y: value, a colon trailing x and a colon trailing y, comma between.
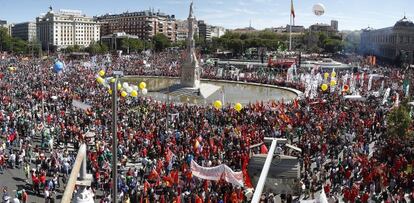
x: 198, y: 199
x: 365, y: 197
x: 1, y: 164
x: 234, y: 197
x: 327, y: 189
x: 36, y: 183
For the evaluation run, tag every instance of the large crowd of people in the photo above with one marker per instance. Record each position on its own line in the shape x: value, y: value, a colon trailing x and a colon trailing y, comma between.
x: 346, y: 151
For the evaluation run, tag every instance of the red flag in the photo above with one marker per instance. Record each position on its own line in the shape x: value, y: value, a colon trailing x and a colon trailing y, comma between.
x: 296, y: 103
x: 168, y: 156
x: 247, y: 181
x: 153, y: 175
x: 292, y: 10
x: 174, y: 176
x: 168, y: 181
x: 146, y: 186
x: 263, y: 149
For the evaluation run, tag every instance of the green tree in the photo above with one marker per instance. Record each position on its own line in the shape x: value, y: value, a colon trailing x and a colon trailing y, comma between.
x: 332, y: 45
x: 5, y: 40
x: 398, y: 122
x: 236, y: 45
x: 132, y: 45
x: 161, y: 42
x: 97, y: 48
x: 180, y: 44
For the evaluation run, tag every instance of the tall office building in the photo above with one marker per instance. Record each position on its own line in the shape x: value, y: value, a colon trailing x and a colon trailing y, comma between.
x: 56, y: 30
x: 144, y: 24
x: 204, y: 30
x: 25, y: 31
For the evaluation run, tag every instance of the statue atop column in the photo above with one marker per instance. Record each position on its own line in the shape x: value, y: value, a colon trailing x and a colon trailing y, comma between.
x: 190, y: 71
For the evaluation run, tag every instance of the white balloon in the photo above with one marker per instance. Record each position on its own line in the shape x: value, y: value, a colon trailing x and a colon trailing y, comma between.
x: 105, y: 84
x: 128, y: 89
x: 144, y: 91
x: 318, y: 9
x: 125, y: 85
x: 134, y: 87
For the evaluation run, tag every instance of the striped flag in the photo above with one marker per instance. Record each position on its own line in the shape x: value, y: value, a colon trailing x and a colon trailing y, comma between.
x: 292, y: 10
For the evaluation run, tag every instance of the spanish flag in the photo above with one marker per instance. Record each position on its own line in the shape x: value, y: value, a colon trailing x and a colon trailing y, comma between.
x: 292, y: 10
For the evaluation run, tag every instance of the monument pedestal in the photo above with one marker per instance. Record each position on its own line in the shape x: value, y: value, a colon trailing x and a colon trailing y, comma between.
x: 203, y: 91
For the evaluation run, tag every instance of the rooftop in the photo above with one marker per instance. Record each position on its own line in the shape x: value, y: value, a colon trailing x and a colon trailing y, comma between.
x: 403, y: 23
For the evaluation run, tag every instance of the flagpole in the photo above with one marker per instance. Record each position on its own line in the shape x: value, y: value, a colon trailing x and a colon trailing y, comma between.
x: 290, y: 33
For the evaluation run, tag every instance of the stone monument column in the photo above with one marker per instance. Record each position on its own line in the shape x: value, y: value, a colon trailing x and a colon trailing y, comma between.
x: 190, y: 71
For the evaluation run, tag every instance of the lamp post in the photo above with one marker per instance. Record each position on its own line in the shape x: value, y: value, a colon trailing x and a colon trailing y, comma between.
x: 117, y: 74
x: 263, y: 176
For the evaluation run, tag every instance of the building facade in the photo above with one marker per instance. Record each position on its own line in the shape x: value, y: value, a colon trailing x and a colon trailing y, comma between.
x: 182, y: 30
x: 325, y: 28
x: 390, y: 42
x: 144, y: 24
x: 25, y: 31
x: 3, y: 23
x: 217, y: 31
x: 204, y: 30
x: 56, y: 30
x: 114, y: 41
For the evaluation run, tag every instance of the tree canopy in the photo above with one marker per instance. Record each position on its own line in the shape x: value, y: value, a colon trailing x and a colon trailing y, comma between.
x: 161, y: 42
x: 132, y: 45
x: 398, y: 122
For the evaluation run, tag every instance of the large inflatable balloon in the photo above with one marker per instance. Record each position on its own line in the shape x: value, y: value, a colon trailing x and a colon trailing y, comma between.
x: 318, y: 9
x: 324, y: 87
x: 101, y: 73
x: 134, y: 93
x: 58, y: 66
x: 142, y: 85
x: 238, y: 107
x: 217, y: 104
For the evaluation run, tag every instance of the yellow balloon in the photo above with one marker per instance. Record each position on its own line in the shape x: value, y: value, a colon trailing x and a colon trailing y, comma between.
x: 100, y: 80
x: 124, y: 94
x: 101, y: 73
x: 326, y: 75
x: 333, y: 74
x: 109, y: 91
x: 119, y: 86
x: 134, y: 93
x: 217, y: 104
x: 324, y: 87
x: 333, y: 82
x: 142, y: 85
x: 112, y: 80
x: 238, y: 107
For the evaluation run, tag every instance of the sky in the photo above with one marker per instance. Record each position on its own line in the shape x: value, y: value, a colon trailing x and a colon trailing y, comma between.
x: 351, y: 14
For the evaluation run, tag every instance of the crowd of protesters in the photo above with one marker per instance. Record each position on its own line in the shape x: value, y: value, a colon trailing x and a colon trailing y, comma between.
x: 334, y: 134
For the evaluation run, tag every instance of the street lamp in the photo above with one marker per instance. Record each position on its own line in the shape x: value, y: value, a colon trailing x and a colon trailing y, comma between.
x: 114, y: 91
x: 117, y: 75
x: 262, y: 180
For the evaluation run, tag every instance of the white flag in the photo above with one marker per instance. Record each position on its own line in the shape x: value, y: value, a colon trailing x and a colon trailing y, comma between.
x: 387, y: 93
x: 370, y: 83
